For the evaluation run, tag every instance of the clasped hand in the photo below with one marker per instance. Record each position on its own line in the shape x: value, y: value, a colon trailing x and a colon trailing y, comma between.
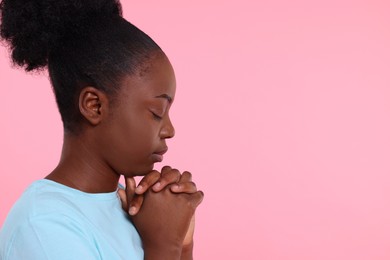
x: 162, y: 207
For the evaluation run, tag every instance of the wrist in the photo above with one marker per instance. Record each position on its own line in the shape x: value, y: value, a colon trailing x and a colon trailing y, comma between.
x: 187, y: 251
x: 162, y: 252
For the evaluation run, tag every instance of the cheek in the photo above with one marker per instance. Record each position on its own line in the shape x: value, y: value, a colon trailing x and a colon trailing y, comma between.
x: 140, y: 140
x: 131, y: 141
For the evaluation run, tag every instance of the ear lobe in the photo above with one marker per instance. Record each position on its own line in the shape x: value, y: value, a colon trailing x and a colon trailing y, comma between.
x: 92, y: 104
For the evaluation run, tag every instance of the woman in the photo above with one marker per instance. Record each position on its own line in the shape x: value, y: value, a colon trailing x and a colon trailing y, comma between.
x: 114, y: 87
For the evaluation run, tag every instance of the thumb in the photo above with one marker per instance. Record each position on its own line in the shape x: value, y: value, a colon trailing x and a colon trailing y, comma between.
x: 130, y: 189
x: 197, y: 198
x: 122, y: 196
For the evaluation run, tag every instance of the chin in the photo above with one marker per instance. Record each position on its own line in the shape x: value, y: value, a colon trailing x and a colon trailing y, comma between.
x: 139, y: 172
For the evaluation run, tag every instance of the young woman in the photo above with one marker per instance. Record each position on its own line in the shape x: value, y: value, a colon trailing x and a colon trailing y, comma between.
x: 114, y: 87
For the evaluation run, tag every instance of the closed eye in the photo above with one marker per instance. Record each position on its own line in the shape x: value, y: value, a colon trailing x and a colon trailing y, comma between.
x: 157, y: 117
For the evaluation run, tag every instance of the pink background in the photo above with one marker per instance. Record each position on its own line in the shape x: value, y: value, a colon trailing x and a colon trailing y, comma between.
x: 282, y: 114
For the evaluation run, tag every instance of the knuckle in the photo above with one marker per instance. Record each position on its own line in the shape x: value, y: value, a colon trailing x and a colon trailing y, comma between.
x: 193, y: 184
x: 186, y: 177
x: 175, y: 171
x: 187, y: 174
x: 166, y: 168
x: 151, y: 177
x: 154, y: 174
x: 173, y: 174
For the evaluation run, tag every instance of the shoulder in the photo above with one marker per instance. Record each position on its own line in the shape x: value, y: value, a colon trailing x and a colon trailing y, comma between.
x: 42, y: 218
x: 41, y: 204
x: 49, y: 236
x: 42, y: 198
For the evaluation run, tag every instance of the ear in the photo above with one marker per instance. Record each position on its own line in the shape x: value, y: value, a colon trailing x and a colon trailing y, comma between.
x: 93, y: 105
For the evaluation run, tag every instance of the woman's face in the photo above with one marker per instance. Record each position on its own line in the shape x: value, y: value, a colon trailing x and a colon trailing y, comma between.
x: 136, y: 133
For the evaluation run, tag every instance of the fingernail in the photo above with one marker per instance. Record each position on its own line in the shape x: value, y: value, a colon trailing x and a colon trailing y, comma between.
x: 176, y: 187
x: 139, y: 188
x: 132, y: 210
x: 157, y: 185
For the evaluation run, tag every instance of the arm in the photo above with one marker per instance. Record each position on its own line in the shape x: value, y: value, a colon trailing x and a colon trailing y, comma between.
x: 165, y: 252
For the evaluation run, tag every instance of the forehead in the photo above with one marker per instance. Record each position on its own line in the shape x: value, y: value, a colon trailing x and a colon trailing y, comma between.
x: 155, y: 78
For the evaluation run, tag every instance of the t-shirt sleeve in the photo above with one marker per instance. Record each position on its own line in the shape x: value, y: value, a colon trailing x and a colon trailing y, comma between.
x: 52, y: 237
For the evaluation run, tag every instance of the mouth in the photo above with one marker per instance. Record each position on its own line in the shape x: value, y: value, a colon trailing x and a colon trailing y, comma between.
x: 159, y: 155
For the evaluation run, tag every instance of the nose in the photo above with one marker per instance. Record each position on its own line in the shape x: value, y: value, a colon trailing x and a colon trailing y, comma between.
x: 167, y: 131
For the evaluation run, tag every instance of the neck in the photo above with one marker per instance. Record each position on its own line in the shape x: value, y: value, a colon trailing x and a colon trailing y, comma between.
x: 82, y: 168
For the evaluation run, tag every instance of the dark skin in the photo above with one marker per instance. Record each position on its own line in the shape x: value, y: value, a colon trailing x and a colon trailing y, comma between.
x: 126, y: 137
x: 180, y: 184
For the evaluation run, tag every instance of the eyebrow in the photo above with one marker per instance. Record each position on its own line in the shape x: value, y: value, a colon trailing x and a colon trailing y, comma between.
x: 166, y: 96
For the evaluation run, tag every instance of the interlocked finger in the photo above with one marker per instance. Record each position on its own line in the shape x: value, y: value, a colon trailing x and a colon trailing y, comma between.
x: 148, y: 181
x: 185, y: 177
x: 165, y: 169
x: 167, y: 177
x: 130, y: 189
x: 136, y: 204
x: 185, y: 187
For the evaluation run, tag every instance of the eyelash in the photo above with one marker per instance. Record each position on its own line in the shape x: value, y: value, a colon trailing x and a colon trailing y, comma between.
x: 157, y: 117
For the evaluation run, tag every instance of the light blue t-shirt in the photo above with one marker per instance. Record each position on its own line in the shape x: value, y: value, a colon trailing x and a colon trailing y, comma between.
x: 53, y: 221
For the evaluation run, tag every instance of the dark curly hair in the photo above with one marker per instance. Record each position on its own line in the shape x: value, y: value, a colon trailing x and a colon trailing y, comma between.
x: 81, y: 42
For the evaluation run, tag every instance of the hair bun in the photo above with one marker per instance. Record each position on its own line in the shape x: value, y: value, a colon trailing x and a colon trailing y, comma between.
x: 34, y: 28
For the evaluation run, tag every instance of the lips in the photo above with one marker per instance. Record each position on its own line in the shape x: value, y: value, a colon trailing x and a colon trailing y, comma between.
x: 158, y: 156
x: 162, y: 151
